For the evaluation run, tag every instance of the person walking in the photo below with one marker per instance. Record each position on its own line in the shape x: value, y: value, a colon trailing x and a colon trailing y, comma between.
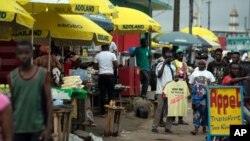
x: 31, y: 98
x: 165, y: 72
x: 6, y: 118
x: 143, y: 60
x: 105, y: 62
x: 199, y: 80
x: 217, y: 67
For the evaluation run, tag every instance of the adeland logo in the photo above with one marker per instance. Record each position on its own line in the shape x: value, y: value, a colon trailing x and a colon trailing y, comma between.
x: 70, y: 25
x: 3, y: 15
x: 62, y: 10
x: 84, y: 8
x: 133, y: 27
x: 102, y: 38
x: 28, y: 33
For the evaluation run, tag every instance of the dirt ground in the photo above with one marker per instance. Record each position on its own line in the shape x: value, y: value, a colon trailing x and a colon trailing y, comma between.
x: 136, y: 129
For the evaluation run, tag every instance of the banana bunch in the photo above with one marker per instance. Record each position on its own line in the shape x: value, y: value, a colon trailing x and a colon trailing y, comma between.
x: 4, y: 88
x: 72, y: 82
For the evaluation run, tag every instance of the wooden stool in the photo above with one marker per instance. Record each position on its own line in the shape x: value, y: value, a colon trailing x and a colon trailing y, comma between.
x: 113, y: 120
x: 62, y: 113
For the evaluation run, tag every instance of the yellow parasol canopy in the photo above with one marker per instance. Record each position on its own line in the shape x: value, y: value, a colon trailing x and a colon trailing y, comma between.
x: 133, y: 21
x: 60, y: 6
x: 107, y: 8
x: 12, y: 17
x: 65, y: 30
x: 71, y: 6
x: 158, y: 45
x: 202, y: 32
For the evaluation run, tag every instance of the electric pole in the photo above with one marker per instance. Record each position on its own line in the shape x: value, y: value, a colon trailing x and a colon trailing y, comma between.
x: 176, y: 24
x: 208, y: 20
x: 191, y: 8
x: 148, y: 35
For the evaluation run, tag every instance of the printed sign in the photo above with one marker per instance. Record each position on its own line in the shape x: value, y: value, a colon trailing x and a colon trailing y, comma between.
x: 224, y: 109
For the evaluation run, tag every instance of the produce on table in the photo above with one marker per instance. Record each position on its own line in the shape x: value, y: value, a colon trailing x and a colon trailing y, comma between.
x: 70, y: 82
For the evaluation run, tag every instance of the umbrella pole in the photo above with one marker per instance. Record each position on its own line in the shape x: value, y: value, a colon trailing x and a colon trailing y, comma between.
x: 49, y: 67
x: 32, y: 34
x: 62, y: 58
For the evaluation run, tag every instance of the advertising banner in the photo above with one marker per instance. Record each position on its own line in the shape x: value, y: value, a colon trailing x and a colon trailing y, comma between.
x: 224, y: 109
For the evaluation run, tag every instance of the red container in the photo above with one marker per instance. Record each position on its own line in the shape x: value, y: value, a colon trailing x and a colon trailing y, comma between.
x: 126, y: 78
x: 130, y: 76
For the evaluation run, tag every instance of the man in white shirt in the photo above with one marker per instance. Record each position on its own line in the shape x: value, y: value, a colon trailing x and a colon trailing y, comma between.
x: 105, y: 62
x: 165, y: 72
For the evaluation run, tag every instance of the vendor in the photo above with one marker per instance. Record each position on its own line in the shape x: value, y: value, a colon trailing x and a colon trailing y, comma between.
x: 73, y: 61
x: 105, y: 62
x: 43, y: 59
x: 55, y: 65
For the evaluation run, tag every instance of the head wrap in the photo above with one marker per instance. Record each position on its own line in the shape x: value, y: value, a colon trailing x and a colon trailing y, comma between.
x: 44, y: 49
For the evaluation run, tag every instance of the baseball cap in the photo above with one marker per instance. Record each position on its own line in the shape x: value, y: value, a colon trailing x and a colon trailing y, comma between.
x: 179, y: 51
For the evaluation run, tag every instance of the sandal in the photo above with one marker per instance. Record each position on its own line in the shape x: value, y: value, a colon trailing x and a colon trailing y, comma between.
x: 194, y: 133
x: 204, y: 130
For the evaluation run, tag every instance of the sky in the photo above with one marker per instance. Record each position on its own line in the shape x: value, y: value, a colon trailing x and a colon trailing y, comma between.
x: 220, y: 10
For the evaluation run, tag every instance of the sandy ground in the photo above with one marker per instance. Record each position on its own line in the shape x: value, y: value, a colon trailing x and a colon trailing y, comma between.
x: 136, y: 129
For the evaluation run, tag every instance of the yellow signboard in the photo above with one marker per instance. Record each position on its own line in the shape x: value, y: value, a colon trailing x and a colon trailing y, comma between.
x: 225, y: 109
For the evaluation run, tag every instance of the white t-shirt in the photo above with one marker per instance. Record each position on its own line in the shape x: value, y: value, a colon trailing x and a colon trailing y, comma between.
x: 112, y: 47
x: 166, y: 77
x: 105, y: 61
x: 204, y: 73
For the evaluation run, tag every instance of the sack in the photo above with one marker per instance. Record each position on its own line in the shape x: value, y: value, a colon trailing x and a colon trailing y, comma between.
x: 142, y: 112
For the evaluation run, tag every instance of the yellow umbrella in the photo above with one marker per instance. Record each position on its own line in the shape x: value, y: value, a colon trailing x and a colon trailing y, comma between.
x: 12, y: 17
x: 158, y: 45
x: 107, y: 8
x: 60, y: 6
x: 133, y: 21
x: 203, y: 32
x: 65, y: 30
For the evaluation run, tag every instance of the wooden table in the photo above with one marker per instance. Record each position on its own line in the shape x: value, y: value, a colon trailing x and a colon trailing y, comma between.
x: 113, y: 120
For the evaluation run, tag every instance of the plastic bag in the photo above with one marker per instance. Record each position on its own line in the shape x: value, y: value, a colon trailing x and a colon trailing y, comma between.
x: 73, y: 137
x: 79, y: 72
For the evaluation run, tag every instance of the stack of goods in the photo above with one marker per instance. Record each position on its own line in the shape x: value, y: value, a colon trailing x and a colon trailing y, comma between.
x: 70, y: 82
